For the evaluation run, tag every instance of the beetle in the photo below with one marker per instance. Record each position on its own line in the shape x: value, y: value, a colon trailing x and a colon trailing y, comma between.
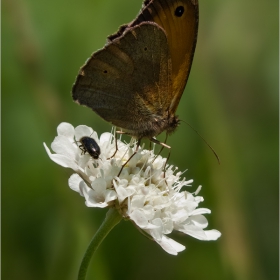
x: 89, y: 145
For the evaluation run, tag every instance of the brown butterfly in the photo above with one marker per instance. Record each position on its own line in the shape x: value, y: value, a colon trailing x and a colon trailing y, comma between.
x: 136, y: 81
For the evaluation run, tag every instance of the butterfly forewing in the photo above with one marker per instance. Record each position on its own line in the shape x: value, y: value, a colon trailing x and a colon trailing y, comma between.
x: 126, y: 82
x: 179, y: 19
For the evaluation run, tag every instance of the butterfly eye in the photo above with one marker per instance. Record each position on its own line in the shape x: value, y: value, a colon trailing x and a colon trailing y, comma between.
x: 105, y: 71
x: 179, y: 11
x: 145, y: 49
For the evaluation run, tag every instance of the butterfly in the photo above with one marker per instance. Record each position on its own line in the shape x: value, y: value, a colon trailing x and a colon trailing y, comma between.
x: 136, y: 81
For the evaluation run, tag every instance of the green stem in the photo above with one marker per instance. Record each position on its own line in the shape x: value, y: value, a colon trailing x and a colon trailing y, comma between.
x: 112, y: 219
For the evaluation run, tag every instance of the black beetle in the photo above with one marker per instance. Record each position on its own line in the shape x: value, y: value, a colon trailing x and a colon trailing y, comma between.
x: 89, y: 145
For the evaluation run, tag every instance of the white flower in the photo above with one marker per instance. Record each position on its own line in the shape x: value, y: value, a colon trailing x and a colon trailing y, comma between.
x: 143, y: 192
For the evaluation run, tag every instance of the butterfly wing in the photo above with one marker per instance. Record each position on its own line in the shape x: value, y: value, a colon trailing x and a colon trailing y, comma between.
x: 126, y: 82
x: 179, y: 19
x: 135, y: 87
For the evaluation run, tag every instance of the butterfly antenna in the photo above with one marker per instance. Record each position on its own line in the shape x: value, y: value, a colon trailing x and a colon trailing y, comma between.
x: 215, y: 154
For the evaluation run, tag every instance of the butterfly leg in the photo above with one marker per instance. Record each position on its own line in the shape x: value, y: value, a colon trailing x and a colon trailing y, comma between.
x: 116, y: 142
x: 136, y: 150
x: 160, y: 143
x: 119, y: 132
x: 162, y: 147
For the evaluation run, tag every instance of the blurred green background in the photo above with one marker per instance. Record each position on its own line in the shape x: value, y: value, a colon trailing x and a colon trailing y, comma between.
x: 231, y: 99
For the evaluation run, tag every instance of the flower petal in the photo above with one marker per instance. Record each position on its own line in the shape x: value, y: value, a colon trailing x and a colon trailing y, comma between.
x: 170, y: 246
x: 61, y: 145
x: 75, y: 182
x: 66, y: 129
x: 61, y: 160
x: 212, y: 234
x: 83, y: 130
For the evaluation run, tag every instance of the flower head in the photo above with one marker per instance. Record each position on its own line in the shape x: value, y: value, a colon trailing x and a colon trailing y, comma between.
x: 147, y: 191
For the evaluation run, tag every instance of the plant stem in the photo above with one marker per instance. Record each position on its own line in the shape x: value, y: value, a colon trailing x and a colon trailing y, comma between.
x: 112, y: 219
